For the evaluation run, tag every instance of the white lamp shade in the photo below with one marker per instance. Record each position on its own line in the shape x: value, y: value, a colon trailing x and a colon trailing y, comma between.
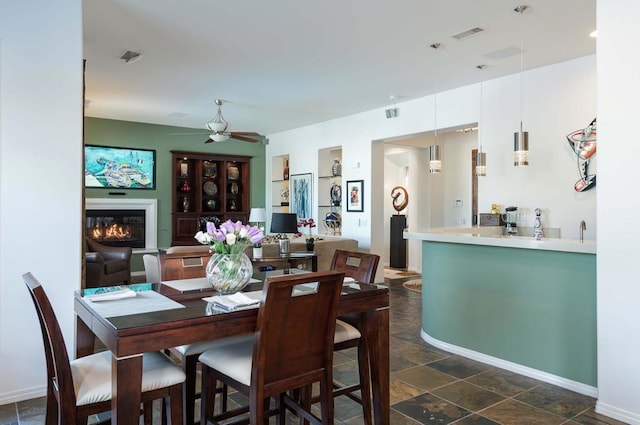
x: 218, y: 137
x: 217, y: 126
x: 258, y: 215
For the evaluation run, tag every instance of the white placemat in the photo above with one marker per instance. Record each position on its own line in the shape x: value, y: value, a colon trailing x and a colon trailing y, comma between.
x: 143, y: 302
x: 194, y: 284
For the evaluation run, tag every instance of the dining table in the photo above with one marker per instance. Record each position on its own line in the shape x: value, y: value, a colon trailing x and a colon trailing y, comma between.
x: 173, y: 313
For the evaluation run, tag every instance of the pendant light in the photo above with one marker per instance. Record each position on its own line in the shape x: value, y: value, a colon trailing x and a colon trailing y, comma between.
x: 435, y: 163
x: 481, y: 157
x: 521, y: 138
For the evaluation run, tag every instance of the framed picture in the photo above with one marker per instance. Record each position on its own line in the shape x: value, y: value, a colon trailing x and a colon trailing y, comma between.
x: 355, y: 194
x: 119, y: 168
x: 301, y: 195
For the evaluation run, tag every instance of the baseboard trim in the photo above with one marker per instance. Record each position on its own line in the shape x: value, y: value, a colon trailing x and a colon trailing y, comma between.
x: 617, y: 413
x: 22, y: 395
x: 513, y: 367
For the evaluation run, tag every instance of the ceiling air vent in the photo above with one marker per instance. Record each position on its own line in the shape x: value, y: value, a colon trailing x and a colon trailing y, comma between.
x: 129, y: 56
x: 468, y: 33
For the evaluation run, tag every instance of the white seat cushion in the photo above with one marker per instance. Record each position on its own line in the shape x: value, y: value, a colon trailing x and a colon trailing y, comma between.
x: 191, y: 349
x: 231, y: 356
x: 92, y: 375
x: 345, y: 332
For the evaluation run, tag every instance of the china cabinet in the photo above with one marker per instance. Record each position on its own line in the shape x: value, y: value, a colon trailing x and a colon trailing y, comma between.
x: 207, y: 187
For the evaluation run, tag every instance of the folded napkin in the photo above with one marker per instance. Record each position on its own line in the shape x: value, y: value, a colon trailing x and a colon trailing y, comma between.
x: 111, y: 293
x: 233, y: 302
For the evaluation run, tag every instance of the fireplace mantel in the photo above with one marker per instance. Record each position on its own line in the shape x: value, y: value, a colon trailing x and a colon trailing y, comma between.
x: 150, y: 206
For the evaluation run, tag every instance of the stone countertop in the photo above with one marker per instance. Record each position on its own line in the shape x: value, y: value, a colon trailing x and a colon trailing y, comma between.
x: 489, y: 237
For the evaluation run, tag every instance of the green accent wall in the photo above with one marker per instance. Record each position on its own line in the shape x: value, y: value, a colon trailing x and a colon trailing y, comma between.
x: 150, y: 136
x: 531, y: 307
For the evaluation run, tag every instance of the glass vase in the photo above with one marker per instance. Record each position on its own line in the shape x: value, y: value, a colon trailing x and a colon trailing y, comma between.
x: 229, y: 273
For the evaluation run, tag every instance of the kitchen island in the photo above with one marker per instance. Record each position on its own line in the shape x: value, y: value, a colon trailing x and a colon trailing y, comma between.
x: 518, y: 303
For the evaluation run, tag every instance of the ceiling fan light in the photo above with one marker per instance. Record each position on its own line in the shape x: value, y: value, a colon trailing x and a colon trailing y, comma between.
x: 218, y: 137
x: 217, y: 126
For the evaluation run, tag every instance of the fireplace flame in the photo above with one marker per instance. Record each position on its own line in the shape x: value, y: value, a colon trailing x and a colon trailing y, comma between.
x: 117, y: 231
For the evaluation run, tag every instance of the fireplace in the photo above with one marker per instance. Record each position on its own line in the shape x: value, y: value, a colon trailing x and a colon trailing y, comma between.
x: 116, y: 227
x: 122, y: 222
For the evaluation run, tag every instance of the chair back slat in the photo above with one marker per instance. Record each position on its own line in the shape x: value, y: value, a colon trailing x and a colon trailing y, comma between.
x: 358, y: 265
x: 295, y: 329
x: 59, y: 376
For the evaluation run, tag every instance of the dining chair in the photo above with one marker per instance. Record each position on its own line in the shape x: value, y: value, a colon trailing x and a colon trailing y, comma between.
x: 151, y: 268
x: 292, y: 348
x: 361, y: 267
x: 79, y: 388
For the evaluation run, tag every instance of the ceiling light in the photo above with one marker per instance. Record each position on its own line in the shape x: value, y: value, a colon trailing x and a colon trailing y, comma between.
x: 218, y: 137
x: 218, y: 124
x: 521, y: 138
x: 468, y: 33
x: 593, y: 34
x: 481, y: 157
x: 466, y: 129
x: 521, y: 9
x: 435, y: 162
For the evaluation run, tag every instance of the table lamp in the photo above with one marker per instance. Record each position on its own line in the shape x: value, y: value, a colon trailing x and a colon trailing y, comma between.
x: 258, y: 216
x: 284, y: 223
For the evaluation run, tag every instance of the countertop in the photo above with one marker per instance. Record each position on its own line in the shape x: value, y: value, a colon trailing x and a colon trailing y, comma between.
x: 488, y: 236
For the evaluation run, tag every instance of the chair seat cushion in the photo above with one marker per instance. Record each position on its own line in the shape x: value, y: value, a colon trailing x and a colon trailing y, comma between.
x: 345, y: 332
x: 114, y: 266
x: 92, y: 375
x: 231, y: 356
x: 191, y: 349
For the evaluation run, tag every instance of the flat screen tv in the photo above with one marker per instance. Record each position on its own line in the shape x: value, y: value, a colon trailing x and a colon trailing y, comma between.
x: 119, y: 168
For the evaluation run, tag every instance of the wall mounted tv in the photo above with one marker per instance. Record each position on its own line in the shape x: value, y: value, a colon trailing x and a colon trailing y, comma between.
x: 119, y: 168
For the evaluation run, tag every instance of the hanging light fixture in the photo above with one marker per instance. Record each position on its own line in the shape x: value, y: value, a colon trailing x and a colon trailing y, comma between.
x: 435, y: 163
x: 218, y: 125
x: 481, y: 157
x: 521, y: 138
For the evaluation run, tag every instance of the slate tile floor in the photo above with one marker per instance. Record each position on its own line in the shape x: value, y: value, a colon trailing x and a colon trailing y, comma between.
x: 429, y: 385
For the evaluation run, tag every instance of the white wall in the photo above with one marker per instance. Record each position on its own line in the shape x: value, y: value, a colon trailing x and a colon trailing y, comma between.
x: 40, y: 180
x: 558, y: 100
x: 618, y: 206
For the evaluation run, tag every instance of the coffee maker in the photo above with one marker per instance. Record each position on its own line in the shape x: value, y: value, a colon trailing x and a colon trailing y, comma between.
x: 510, y: 218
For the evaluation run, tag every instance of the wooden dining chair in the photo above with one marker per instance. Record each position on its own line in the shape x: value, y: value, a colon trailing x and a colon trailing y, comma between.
x: 361, y: 267
x: 79, y: 388
x: 291, y: 349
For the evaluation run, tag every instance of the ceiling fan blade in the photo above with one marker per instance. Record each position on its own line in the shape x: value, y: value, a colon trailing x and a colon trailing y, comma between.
x: 209, y: 140
x: 245, y: 133
x: 237, y: 136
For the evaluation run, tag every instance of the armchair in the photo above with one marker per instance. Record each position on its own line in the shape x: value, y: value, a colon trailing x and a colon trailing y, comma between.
x: 107, y: 265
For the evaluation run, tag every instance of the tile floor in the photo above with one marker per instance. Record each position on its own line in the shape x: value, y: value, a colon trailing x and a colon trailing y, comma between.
x: 429, y: 385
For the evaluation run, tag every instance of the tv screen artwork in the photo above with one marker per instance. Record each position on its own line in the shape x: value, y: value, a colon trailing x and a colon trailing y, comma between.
x: 119, y: 168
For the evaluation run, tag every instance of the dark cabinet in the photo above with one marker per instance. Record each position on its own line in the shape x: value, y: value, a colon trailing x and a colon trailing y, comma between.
x: 207, y: 187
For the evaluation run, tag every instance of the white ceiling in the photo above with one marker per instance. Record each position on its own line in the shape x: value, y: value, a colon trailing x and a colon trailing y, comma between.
x: 283, y: 64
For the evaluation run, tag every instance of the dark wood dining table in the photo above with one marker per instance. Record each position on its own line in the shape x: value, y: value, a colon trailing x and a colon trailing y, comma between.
x: 128, y: 336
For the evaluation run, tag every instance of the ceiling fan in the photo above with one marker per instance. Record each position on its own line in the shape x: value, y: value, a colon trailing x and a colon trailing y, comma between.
x: 218, y: 130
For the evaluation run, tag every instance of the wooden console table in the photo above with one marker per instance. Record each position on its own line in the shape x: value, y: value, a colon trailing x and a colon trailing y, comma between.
x: 187, y: 265
x: 293, y: 259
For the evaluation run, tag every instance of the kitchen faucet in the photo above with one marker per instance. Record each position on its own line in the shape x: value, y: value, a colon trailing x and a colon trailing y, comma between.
x: 583, y: 227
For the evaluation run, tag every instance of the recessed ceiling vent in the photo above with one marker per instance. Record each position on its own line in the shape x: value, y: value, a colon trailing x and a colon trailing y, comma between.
x: 129, y: 56
x: 468, y: 33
